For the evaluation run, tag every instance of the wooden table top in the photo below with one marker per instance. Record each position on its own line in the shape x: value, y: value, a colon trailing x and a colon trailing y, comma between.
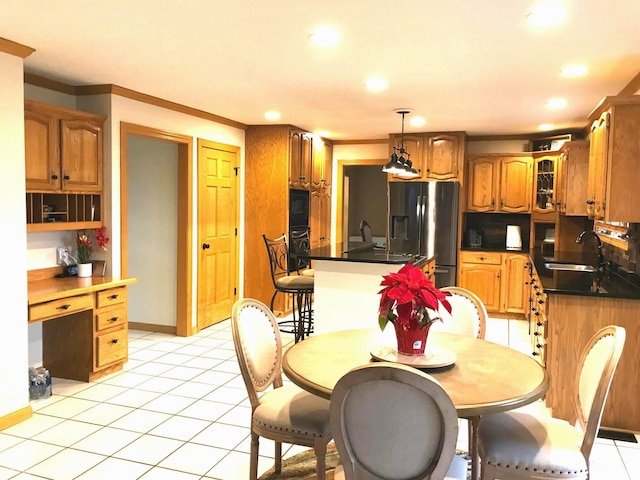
x: 486, y: 377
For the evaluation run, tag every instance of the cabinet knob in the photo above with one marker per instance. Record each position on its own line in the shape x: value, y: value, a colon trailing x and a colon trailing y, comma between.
x: 205, y: 246
x: 113, y: 319
x: 535, y: 353
x: 591, y: 202
x: 113, y: 297
x: 54, y: 177
x: 539, y: 324
x: 64, y: 307
x: 66, y: 177
x: 115, y: 340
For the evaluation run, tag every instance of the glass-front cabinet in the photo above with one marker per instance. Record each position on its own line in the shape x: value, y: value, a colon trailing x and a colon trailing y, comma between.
x: 545, y: 177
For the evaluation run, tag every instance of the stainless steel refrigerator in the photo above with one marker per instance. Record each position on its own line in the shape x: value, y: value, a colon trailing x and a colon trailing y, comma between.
x: 423, y: 220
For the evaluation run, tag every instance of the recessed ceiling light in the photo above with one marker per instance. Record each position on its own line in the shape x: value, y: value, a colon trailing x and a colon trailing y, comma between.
x: 325, y: 37
x: 556, y: 103
x: 546, y: 126
x: 417, y: 121
x: 376, y: 84
x: 547, y: 14
x: 574, y: 71
x: 272, y: 115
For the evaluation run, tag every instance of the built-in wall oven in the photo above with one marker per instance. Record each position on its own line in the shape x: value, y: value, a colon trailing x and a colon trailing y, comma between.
x: 299, y: 231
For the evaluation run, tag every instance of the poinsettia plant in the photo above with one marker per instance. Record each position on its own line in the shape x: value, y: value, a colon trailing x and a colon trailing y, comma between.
x: 85, y: 245
x: 410, y: 289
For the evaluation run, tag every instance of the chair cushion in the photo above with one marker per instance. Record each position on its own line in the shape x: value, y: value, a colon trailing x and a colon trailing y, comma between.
x: 291, y: 409
x: 296, y: 282
x: 310, y: 272
x: 518, y: 440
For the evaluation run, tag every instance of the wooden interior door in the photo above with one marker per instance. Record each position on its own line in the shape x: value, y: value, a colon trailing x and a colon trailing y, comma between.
x: 217, y: 231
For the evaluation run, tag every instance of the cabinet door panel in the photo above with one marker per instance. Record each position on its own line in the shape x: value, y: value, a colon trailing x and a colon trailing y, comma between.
x: 317, y: 169
x: 598, y: 166
x: 414, y: 146
x: 441, y: 159
x: 482, y: 185
x: 42, y: 157
x: 545, y: 183
x: 295, y: 151
x: 81, y: 155
x: 515, y: 185
x: 484, y: 281
x: 516, y: 296
x: 315, y: 215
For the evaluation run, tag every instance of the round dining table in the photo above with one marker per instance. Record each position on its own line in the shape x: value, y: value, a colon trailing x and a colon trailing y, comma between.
x: 484, y: 378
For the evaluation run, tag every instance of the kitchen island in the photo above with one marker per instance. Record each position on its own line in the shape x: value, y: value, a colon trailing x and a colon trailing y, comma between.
x: 347, y: 282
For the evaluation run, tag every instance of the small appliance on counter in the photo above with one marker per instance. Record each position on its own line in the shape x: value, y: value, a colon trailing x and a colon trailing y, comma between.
x: 474, y: 238
x: 548, y: 243
x: 514, y: 237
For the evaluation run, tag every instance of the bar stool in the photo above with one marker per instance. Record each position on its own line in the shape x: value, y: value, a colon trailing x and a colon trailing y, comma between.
x: 300, y: 287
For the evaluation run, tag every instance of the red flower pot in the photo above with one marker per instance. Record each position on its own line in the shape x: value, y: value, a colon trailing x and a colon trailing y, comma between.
x: 412, y: 338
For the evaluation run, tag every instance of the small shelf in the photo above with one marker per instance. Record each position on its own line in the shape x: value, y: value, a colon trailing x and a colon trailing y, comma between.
x: 63, y: 211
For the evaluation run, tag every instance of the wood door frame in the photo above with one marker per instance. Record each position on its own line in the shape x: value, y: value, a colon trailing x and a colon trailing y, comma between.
x: 340, y: 164
x: 236, y: 150
x: 184, y: 300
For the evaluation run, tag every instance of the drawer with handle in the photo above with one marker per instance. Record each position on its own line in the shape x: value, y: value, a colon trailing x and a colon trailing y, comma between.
x: 490, y: 258
x: 111, y: 347
x: 112, y: 296
x: 59, y: 308
x: 111, y: 317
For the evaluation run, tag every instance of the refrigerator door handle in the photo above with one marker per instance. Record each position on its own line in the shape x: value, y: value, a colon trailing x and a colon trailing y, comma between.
x: 420, y: 216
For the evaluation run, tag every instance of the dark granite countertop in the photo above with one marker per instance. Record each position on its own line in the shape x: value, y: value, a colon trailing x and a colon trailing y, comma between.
x: 360, y: 252
x: 616, y: 283
x: 501, y: 249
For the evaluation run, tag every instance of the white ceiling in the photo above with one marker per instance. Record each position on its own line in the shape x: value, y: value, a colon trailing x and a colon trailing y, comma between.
x: 473, y: 65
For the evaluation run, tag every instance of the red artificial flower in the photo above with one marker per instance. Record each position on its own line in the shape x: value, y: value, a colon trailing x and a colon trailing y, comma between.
x: 406, y: 290
x: 85, y: 246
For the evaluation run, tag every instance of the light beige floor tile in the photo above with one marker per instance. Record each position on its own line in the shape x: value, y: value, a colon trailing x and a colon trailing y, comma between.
x: 181, y: 428
x: 266, y: 447
x: 127, y: 379
x: 159, y: 384
x: 115, y: 468
x: 7, y: 441
x: 192, y: 389
x: 169, y: 404
x: 107, y: 441
x: 183, y: 373
x: 134, y: 398
x: 157, y: 473
x: 140, y: 343
x: 149, y: 449
x: 222, y: 436
x: 205, y: 363
x: 497, y: 331
x: 236, y: 382
x: 151, y: 368
x: 209, y: 342
x: 66, y: 465
x: 39, y: 404
x: 140, y: 421
x: 68, y: 407
x: 26, y: 476
x: 145, y: 355
x: 67, y: 433
x: 166, y: 347
x: 193, y: 350
x: 606, y: 463
x: 219, y: 353
x: 631, y: 459
x: 226, y: 394
x: 7, y: 473
x: 240, y: 416
x: 214, y: 378
x: 159, y: 337
x: 100, y: 392
x: 194, y: 458
x: 174, y: 359
x: 66, y: 387
x: 103, y: 414
x: 230, y: 366
x: 205, y: 410
x: 32, y: 426
x: 26, y: 454
x: 236, y: 465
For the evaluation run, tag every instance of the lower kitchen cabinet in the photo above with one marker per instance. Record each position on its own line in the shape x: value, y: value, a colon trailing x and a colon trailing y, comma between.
x: 515, y: 294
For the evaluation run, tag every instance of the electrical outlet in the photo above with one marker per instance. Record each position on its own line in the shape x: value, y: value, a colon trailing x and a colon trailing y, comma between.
x: 62, y: 255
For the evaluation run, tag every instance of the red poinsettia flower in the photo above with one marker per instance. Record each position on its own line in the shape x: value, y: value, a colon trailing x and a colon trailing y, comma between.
x: 406, y: 290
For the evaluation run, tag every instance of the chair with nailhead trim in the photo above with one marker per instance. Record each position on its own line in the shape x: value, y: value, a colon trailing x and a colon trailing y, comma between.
x: 519, y: 445
x: 285, y: 413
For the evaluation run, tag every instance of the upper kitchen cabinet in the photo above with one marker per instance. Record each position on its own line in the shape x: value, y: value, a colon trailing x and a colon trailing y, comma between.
x: 544, y: 182
x: 300, y: 159
x: 322, y: 163
x: 499, y: 183
x: 436, y: 156
x: 320, y: 198
x: 571, y: 184
x: 614, y: 160
x: 63, y: 149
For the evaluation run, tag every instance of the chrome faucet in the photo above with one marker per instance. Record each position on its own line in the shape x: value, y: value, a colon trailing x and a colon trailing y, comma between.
x: 600, y: 272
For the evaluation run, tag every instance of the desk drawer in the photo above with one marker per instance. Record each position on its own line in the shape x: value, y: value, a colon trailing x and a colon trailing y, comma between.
x: 491, y: 258
x: 61, y: 307
x: 112, y: 296
x: 111, y: 347
x: 111, y: 318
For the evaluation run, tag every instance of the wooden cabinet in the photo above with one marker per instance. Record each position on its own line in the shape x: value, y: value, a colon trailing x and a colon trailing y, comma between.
x: 481, y: 273
x: 571, y: 184
x: 429, y: 269
x: 499, y: 183
x: 537, y: 315
x: 300, y: 159
x: 514, y: 289
x: 614, y: 160
x: 544, y: 182
x: 63, y: 167
x: 84, y: 325
x: 436, y: 156
x: 320, y: 201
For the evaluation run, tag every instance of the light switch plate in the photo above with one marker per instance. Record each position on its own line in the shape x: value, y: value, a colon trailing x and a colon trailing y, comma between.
x: 62, y: 255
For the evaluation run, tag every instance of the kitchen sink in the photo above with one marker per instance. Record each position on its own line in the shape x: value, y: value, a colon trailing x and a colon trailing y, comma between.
x: 570, y: 267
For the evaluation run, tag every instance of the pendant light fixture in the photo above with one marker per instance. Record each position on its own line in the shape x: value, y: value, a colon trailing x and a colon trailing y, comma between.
x: 399, y: 164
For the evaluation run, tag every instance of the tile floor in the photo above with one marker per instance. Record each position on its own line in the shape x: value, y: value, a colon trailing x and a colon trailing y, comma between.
x: 179, y: 411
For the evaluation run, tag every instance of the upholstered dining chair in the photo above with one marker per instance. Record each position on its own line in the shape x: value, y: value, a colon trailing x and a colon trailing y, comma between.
x: 468, y: 314
x: 393, y: 421
x: 284, y: 413
x: 286, y: 280
x: 521, y: 445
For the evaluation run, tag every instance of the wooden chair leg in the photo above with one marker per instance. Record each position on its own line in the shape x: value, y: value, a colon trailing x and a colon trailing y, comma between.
x: 253, y: 457
x: 320, y: 449
x: 278, y: 457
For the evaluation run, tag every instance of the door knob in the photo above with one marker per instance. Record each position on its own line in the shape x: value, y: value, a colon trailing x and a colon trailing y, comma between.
x: 205, y: 246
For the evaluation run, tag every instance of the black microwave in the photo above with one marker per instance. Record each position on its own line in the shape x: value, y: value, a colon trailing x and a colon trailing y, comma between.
x: 298, y: 208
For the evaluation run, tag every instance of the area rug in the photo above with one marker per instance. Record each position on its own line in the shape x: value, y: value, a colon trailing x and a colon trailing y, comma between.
x: 303, y: 466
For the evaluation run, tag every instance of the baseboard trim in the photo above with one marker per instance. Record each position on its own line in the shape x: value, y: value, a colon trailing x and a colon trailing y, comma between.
x: 150, y: 327
x: 16, y: 417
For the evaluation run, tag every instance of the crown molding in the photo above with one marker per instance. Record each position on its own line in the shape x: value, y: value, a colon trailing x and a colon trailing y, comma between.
x: 14, y: 48
x: 378, y: 141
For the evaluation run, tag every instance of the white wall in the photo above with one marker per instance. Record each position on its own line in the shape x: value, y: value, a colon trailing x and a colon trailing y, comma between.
x: 14, y: 393
x: 152, y: 199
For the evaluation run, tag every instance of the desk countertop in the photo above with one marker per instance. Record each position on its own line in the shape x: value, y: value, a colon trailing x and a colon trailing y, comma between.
x: 55, y: 288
